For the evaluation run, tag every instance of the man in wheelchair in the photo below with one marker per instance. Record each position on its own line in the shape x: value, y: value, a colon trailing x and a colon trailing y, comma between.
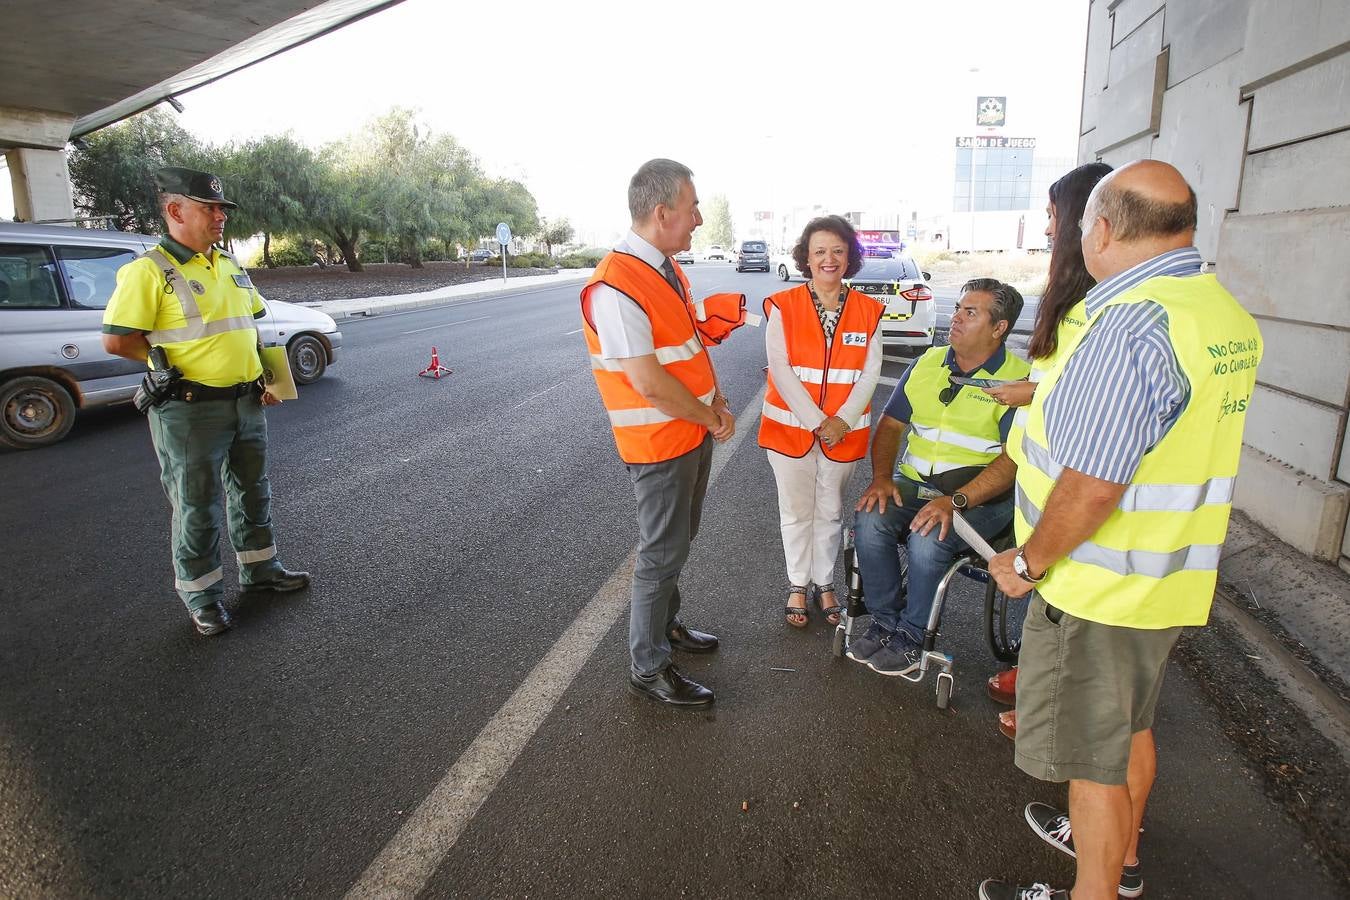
x: 953, y: 436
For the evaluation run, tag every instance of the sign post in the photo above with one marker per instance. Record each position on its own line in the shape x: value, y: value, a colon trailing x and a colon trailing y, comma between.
x: 503, y: 238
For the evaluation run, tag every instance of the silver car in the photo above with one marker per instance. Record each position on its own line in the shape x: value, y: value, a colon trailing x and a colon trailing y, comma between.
x: 54, y: 284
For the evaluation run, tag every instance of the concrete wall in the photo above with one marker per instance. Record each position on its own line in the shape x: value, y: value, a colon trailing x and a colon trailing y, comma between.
x: 1250, y: 99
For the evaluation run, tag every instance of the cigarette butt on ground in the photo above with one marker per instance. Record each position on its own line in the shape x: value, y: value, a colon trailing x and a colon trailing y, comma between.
x: 745, y: 806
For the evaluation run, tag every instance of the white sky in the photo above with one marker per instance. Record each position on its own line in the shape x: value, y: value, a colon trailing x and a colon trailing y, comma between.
x: 776, y: 104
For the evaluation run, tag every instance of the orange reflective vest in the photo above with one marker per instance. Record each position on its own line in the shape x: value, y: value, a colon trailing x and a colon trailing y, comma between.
x: 828, y: 372
x: 642, y: 432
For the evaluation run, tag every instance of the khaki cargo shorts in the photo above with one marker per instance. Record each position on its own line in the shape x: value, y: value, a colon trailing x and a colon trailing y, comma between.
x: 1083, y: 691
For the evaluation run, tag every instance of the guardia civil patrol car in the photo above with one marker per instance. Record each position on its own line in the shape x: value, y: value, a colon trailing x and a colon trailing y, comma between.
x: 55, y: 282
x: 890, y: 275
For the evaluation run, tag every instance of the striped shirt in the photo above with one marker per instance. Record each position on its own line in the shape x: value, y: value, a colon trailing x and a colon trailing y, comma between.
x: 1122, y: 389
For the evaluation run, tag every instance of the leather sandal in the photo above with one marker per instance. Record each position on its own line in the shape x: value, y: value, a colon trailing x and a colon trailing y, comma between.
x: 803, y: 611
x: 1007, y: 724
x: 1002, y: 688
x: 831, y: 613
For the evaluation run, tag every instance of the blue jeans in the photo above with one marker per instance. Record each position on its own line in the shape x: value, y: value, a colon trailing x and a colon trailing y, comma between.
x: 876, y: 537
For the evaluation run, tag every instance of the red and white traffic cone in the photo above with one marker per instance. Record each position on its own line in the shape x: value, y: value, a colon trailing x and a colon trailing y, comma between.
x: 435, y: 369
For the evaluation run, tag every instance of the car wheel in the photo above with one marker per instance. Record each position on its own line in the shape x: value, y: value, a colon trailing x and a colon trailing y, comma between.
x: 308, y: 359
x: 34, y: 412
x: 782, y: 273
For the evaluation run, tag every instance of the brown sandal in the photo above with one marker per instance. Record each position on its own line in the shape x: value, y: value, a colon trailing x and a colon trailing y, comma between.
x: 803, y: 611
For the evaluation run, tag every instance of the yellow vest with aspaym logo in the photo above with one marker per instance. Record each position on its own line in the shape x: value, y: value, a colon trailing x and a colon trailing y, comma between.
x: 962, y: 433
x: 1073, y: 322
x: 1153, y: 563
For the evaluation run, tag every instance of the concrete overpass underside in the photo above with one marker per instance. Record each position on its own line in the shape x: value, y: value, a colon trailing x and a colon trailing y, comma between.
x: 72, y: 68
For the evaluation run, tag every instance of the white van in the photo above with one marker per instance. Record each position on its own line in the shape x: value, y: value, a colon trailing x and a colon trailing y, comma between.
x: 54, y: 284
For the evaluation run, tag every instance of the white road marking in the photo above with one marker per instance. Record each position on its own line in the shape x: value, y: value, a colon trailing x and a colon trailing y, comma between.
x: 447, y: 324
x: 578, y: 331
x: 889, y: 382
x: 539, y: 394
x: 907, y: 360
x: 407, y: 862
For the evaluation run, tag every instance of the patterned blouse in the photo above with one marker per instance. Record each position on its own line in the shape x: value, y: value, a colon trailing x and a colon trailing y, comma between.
x: 829, y: 319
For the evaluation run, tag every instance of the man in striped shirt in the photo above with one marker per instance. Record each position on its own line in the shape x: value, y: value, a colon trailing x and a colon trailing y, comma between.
x: 1126, y: 523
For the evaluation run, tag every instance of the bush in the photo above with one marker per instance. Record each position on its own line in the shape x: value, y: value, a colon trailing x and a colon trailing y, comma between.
x: 527, y: 261
x: 285, y: 252
x: 585, y: 259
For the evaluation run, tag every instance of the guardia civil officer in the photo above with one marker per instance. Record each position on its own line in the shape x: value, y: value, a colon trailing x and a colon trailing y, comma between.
x: 193, y: 301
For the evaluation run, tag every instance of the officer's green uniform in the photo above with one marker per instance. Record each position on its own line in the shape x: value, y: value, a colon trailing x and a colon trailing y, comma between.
x: 200, y: 309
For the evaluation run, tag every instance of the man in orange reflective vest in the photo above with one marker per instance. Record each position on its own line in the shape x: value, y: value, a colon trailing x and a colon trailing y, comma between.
x: 664, y: 406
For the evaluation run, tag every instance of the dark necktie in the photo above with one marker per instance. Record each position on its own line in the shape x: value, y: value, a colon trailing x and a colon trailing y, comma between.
x: 668, y: 270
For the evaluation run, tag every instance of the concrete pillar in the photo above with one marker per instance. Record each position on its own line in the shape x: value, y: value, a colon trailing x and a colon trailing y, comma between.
x: 41, y: 185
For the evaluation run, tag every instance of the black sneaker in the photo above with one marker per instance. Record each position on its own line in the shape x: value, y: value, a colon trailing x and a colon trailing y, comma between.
x: 1052, y: 826
x: 1002, y: 890
x: 1131, y: 881
x: 899, y: 654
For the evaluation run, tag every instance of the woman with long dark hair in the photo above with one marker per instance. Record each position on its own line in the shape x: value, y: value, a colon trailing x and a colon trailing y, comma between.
x: 1059, y: 313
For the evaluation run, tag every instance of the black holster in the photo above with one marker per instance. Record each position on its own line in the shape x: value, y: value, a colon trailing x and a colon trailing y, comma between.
x: 158, y: 385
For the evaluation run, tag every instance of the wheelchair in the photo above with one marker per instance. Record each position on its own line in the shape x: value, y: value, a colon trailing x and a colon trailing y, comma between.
x: 1003, y: 635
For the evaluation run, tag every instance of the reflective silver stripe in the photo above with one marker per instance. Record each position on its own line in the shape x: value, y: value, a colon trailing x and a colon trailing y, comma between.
x: 197, y: 329
x: 700, y: 312
x: 808, y: 375
x: 647, y: 415
x: 255, y: 556
x: 785, y: 417
x: 199, y: 584
x: 955, y: 438
x: 925, y: 467
x: 680, y: 352
x: 1020, y: 417
x: 782, y: 416
x: 608, y: 365
x: 181, y: 289
x: 1151, y: 563
x: 1146, y: 497
x: 1177, y: 497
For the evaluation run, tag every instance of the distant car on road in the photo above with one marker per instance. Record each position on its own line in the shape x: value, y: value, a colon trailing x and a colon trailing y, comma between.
x: 480, y: 255
x: 911, y: 315
x: 784, y: 266
x: 55, y: 282
x: 715, y: 252
x: 685, y: 257
x: 752, y: 255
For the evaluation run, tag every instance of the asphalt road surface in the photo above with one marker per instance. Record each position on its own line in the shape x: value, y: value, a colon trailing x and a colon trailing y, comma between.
x: 443, y: 714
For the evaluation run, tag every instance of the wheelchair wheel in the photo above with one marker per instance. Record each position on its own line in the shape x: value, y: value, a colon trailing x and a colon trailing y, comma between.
x: 945, y: 683
x: 837, y: 643
x: 1004, y: 632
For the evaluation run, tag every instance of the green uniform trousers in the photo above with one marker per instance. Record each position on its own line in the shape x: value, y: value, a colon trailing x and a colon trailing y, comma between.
x: 200, y: 445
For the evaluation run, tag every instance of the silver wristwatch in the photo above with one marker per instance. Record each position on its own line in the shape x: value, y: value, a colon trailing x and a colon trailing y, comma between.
x: 1022, y: 569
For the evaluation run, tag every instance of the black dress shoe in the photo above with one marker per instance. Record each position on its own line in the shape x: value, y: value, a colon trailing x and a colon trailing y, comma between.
x: 668, y: 686
x: 689, y: 640
x: 212, y: 619
x: 282, y: 583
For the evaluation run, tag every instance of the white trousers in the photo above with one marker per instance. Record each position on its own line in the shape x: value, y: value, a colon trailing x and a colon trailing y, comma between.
x: 810, y: 512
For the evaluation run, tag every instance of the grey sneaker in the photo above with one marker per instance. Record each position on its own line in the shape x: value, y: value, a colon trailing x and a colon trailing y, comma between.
x: 899, y: 654
x: 861, y: 648
x: 1052, y: 826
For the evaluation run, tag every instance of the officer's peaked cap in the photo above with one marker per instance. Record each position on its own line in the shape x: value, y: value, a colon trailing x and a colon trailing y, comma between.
x: 202, y: 186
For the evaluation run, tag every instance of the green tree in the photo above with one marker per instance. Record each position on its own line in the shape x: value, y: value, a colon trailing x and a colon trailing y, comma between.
x: 716, y: 227
x: 343, y: 210
x: 509, y: 201
x: 276, y: 181
x: 559, y: 231
x: 113, y: 174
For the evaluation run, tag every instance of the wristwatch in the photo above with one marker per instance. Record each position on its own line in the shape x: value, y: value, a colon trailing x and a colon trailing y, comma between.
x: 959, y: 500
x: 1022, y: 569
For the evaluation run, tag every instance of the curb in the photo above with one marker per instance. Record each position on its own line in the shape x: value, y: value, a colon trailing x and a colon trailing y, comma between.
x: 375, y: 306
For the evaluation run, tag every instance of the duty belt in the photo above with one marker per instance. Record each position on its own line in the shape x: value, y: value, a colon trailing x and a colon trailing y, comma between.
x: 193, y: 392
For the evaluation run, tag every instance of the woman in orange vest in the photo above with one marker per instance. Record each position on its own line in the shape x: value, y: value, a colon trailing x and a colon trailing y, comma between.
x: 824, y: 347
